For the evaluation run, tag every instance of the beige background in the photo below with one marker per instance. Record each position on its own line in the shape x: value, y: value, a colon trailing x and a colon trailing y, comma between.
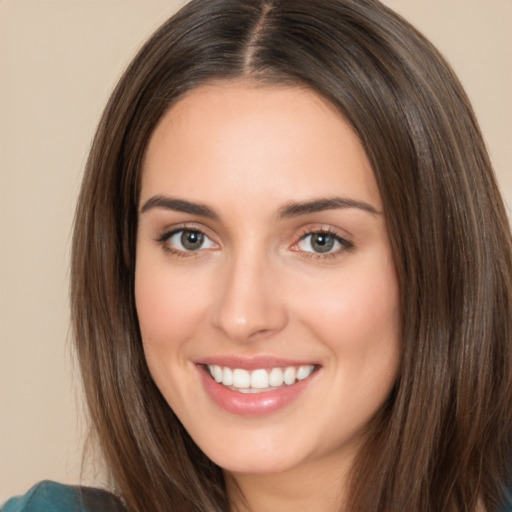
x: 59, y: 60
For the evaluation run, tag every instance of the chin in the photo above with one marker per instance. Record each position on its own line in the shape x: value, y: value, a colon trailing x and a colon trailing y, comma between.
x: 253, y: 463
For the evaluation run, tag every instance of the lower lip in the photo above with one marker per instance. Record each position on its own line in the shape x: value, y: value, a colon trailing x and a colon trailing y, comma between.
x: 251, y: 404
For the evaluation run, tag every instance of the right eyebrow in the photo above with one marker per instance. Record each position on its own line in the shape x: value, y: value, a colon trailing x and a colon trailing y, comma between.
x: 179, y: 205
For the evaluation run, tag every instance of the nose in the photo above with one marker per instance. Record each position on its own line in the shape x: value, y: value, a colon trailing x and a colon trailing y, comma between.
x: 249, y: 305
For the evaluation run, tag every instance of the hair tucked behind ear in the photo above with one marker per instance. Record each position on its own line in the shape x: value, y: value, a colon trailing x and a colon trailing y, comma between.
x: 442, y: 441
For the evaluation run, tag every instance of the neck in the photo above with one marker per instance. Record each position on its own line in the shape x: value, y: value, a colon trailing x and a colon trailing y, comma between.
x: 313, y: 486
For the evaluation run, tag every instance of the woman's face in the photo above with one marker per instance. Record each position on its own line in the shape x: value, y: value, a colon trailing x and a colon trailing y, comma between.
x: 265, y: 285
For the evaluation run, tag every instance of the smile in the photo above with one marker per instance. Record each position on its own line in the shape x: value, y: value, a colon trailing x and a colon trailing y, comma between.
x: 259, y: 380
x: 255, y: 387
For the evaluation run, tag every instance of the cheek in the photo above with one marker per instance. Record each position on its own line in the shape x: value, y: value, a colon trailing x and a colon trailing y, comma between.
x: 169, y: 306
x: 356, y: 315
x: 359, y: 311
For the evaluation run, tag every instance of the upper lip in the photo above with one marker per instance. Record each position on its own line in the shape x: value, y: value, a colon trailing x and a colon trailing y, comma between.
x: 254, y: 362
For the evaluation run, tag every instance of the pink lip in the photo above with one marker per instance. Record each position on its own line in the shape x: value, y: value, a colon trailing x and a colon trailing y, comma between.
x: 252, y: 404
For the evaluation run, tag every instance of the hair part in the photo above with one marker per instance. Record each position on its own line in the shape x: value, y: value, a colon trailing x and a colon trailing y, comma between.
x: 442, y: 440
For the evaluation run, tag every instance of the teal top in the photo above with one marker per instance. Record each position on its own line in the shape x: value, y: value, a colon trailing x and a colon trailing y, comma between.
x: 507, y: 506
x: 52, y: 497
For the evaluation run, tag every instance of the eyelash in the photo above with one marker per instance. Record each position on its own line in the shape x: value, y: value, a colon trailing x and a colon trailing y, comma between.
x: 164, y: 238
x: 345, y: 245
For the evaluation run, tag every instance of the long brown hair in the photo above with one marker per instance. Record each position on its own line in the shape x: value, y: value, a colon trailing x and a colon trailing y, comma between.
x: 442, y: 441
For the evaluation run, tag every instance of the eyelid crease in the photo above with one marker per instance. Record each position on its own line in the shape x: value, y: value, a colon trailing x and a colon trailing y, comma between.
x: 326, y: 231
x: 169, y: 232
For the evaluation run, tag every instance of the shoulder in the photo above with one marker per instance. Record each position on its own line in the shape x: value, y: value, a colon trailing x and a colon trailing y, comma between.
x: 53, y: 497
x: 507, y: 504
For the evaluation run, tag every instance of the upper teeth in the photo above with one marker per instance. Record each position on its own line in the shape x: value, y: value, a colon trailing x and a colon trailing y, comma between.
x: 259, y: 379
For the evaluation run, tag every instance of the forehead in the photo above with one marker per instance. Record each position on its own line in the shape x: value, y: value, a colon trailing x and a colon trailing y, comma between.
x: 256, y: 138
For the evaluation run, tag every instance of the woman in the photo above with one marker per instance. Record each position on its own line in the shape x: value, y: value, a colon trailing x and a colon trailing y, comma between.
x: 291, y: 271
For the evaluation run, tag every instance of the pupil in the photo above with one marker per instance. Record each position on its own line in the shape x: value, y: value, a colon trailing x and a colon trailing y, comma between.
x: 192, y: 240
x: 322, y: 242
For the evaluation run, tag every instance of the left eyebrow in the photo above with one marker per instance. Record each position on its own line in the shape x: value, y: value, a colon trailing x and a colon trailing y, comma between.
x: 318, y: 205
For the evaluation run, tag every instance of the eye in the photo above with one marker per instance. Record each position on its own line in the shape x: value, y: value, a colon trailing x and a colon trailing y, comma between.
x: 186, y: 240
x: 322, y: 242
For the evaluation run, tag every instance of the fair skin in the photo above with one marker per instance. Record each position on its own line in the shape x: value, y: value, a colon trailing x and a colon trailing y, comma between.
x: 262, y: 246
